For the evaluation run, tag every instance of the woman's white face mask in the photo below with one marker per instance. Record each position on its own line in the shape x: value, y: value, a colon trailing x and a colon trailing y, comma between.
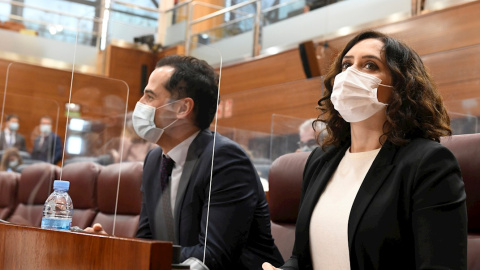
x: 354, y: 95
x: 143, y: 120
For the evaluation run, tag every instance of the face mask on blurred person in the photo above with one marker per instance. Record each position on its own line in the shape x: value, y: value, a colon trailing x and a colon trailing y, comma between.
x: 46, y: 129
x: 13, y: 126
x: 13, y: 163
x: 354, y: 95
x: 143, y: 120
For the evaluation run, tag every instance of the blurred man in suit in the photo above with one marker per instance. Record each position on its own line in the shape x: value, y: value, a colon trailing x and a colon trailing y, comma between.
x: 9, y: 137
x: 48, y: 145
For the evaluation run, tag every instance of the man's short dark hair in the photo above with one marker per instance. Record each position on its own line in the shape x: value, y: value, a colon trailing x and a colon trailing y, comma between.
x: 10, y: 116
x: 196, y: 79
x: 46, y: 117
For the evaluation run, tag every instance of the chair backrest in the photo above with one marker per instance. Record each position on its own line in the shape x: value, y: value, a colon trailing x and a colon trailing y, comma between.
x: 34, y: 187
x: 466, y: 149
x: 8, y: 189
x: 285, y: 182
x: 83, y: 180
x: 129, y: 198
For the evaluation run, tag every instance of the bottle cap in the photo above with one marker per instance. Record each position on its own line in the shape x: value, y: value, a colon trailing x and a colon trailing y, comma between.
x: 61, y: 185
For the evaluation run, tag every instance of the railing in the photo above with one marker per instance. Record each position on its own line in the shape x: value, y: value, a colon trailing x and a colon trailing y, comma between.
x: 94, y: 29
x: 191, y: 22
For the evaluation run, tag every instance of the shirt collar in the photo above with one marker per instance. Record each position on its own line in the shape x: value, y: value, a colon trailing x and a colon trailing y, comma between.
x: 179, y: 152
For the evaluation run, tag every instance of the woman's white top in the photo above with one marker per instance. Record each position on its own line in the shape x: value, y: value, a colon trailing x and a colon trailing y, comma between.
x: 329, y: 223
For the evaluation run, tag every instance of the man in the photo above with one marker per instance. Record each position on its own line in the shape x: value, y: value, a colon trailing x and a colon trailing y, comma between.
x: 48, y: 145
x: 177, y: 107
x: 308, y: 138
x: 10, y: 137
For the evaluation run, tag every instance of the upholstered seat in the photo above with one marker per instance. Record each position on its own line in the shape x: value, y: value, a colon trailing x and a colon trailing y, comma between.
x: 129, y: 198
x: 466, y: 149
x: 34, y: 187
x: 8, y: 189
x: 83, y: 179
x: 285, y: 181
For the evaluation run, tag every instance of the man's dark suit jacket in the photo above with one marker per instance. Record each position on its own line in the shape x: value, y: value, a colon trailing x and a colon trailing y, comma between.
x: 51, y: 149
x: 239, y: 235
x: 19, y: 142
x: 409, y: 212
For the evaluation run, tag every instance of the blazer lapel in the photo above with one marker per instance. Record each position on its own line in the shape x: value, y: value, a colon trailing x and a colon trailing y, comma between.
x: 376, y: 175
x: 194, y: 151
x: 313, y: 192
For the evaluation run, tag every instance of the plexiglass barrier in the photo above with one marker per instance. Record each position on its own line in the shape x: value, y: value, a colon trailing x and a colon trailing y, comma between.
x: 292, y: 134
x: 256, y: 144
x: 21, y: 114
x: 464, y: 115
x: 26, y: 115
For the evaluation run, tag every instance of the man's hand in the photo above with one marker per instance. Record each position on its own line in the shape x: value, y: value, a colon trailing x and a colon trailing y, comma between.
x: 267, y: 266
x: 96, y: 228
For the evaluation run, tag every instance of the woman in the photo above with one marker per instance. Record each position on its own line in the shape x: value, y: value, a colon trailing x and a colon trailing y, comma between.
x: 387, y: 194
x: 11, y: 159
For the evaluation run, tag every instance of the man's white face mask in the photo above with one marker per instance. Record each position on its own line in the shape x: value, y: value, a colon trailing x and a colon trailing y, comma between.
x: 354, y: 95
x: 46, y: 129
x: 13, y: 126
x: 143, y: 120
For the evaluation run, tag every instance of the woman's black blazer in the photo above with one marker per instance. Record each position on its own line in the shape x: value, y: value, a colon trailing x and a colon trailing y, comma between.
x: 409, y: 212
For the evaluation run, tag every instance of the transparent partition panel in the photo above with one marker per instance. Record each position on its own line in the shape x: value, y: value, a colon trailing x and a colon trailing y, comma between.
x: 464, y: 115
x: 96, y: 116
x: 30, y: 121
x: 257, y: 146
x: 285, y: 135
x: 213, y: 57
x: 28, y: 111
x: 272, y: 117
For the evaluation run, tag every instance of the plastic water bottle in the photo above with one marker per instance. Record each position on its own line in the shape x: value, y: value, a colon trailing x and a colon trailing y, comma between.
x: 58, y: 208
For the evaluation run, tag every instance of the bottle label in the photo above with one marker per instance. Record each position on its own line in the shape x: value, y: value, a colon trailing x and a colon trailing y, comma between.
x: 53, y: 223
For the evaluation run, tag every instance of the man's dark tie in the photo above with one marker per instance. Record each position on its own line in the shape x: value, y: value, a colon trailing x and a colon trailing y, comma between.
x: 165, y: 199
x: 166, y: 171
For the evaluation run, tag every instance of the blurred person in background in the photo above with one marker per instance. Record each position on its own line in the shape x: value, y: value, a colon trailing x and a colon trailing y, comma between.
x: 47, y: 146
x: 11, y: 159
x: 9, y: 137
x: 310, y: 137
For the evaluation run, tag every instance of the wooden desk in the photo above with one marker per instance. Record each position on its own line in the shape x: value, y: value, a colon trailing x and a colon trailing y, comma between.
x: 28, y: 248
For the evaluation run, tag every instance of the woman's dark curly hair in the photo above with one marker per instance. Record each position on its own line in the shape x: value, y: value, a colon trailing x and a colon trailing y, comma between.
x: 415, y: 109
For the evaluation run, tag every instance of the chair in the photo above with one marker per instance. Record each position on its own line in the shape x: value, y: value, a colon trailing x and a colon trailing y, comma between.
x: 466, y: 149
x: 8, y: 189
x: 83, y: 180
x: 285, y: 182
x: 34, y: 187
x: 129, y: 198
